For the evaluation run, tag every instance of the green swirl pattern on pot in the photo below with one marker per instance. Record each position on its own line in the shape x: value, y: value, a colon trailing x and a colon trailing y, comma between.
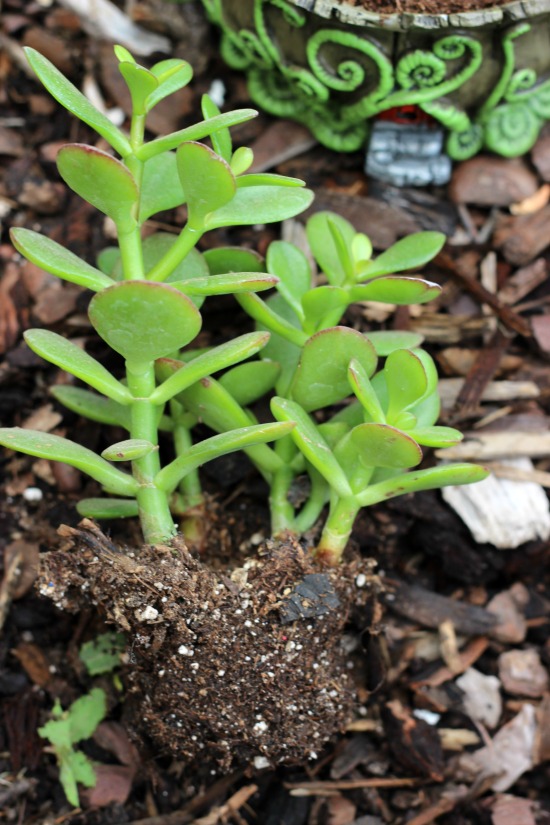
x: 335, y: 78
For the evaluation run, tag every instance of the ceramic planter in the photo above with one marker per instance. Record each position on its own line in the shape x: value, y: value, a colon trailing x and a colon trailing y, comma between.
x: 483, y: 75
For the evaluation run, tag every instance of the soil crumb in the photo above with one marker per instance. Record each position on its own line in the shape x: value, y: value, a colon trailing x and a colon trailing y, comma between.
x: 247, y: 667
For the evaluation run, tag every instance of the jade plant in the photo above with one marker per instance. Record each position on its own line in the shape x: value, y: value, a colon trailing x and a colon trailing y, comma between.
x: 353, y: 429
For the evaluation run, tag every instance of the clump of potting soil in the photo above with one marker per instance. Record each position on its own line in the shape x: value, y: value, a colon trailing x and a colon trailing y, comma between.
x: 233, y: 669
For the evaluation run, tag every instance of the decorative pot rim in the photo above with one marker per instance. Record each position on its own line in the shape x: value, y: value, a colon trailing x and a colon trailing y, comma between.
x: 402, y: 21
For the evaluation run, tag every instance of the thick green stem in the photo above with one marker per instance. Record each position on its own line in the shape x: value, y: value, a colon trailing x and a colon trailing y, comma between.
x: 154, y: 512
x: 337, y: 530
x: 311, y: 510
x: 282, y: 511
x: 131, y: 255
x: 187, y: 240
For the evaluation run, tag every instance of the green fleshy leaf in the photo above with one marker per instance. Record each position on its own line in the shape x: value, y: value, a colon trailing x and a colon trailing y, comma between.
x: 416, y: 480
x: 221, y: 140
x: 408, y: 253
x: 268, y: 179
x: 123, y: 55
x: 333, y: 432
x: 386, y: 341
x: 292, y: 268
x: 322, y: 375
x: 54, y: 448
x: 405, y: 420
x: 436, y: 436
x: 365, y: 392
x: 323, y: 246
x: 160, y: 186
x: 71, y: 358
x: 141, y: 83
x: 351, y: 415
x: 225, y: 259
x: 400, y: 290
x: 196, y: 132
x: 107, y: 508
x: 68, y: 95
x: 218, y: 445
x: 261, y: 204
x: 173, y: 75
x: 430, y: 369
x: 54, y: 258
x: 218, y: 358
x: 230, y: 284
x: 217, y: 408
x: 101, y: 180
x: 406, y: 381
x: 427, y: 411
x: 107, y: 259
x: 344, y: 251
x: 379, y: 445
x: 241, y: 161
x: 286, y: 353
x: 361, y: 249
x: 248, y: 382
x: 129, y: 450
x: 144, y: 321
x: 323, y: 307
x: 92, y: 406
x: 311, y: 443
x: 267, y: 315
x: 207, y: 181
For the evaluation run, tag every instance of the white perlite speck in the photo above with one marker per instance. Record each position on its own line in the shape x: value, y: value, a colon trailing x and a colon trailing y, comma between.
x: 32, y: 494
x: 148, y: 614
x: 259, y: 728
x: 185, y: 651
x: 261, y: 762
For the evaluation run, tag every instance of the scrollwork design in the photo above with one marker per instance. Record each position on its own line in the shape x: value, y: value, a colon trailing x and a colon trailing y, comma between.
x: 349, y: 74
x: 511, y: 129
x: 348, y: 78
x: 465, y: 143
x: 420, y: 70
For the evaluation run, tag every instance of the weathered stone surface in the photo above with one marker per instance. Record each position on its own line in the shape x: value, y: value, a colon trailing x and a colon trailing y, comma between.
x: 511, y: 626
x: 522, y: 673
x: 492, y: 181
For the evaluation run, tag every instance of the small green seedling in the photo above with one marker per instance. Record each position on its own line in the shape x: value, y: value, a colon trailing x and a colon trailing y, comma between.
x: 353, y: 423
x: 65, y: 730
x: 103, y: 654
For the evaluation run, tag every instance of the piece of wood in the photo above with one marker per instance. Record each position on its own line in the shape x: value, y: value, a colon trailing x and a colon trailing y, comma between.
x: 481, y: 446
x: 431, y: 609
x: 461, y: 273
x: 501, y: 512
x: 450, y: 329
x: 521, y: 238
x: 479, y: 375
x: 524, y: 281
x: 449, y: 389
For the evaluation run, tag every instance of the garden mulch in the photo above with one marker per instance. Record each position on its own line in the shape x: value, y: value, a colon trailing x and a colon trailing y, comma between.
x: 453, y: 720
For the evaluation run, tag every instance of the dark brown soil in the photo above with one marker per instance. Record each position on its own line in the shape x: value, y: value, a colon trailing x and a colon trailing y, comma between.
x: 219, y: 667
x: 426, y: 6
